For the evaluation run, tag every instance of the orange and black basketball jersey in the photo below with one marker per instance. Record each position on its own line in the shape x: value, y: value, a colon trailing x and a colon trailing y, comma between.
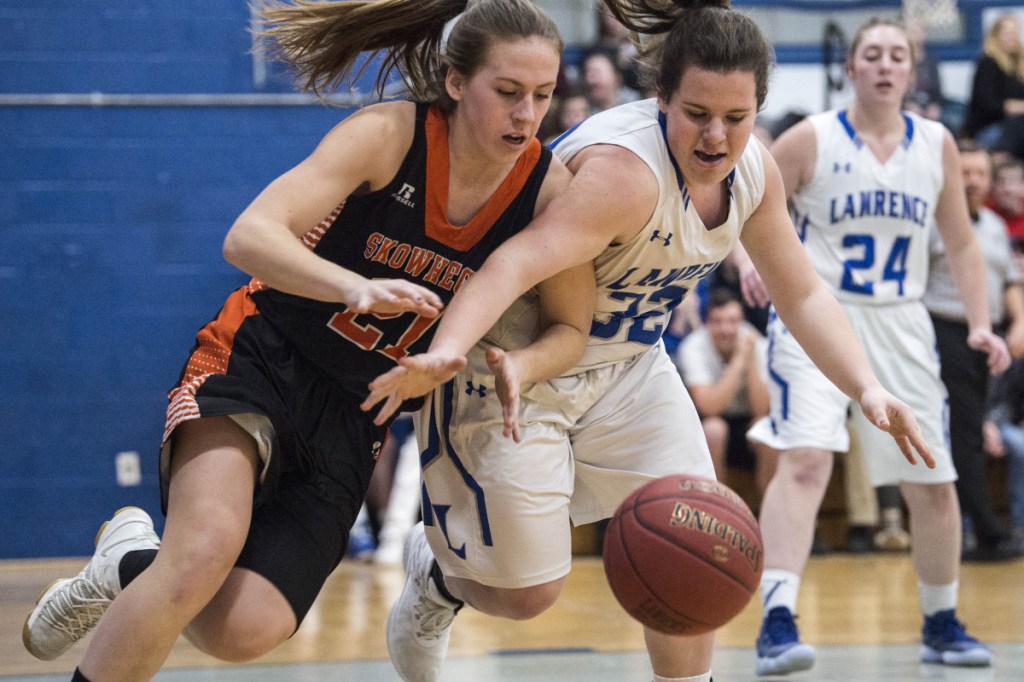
x: 401, y: 231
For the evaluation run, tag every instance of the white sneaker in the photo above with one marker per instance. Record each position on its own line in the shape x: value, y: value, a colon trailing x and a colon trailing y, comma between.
x: 68, y: 608
x: 420, y: 622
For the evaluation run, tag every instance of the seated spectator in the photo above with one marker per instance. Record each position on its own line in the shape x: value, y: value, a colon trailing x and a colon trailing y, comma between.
x: 995, y: 112
x: 1007, y: 197
x: 723, y: 366
x: 602, y: 81
x: 1004, y: 437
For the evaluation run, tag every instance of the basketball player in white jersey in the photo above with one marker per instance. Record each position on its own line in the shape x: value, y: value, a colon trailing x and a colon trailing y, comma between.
x: 663, y: 189
x: 866, y: 184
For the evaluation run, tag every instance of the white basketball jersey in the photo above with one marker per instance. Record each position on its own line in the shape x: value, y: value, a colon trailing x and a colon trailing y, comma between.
x: 865, y: 223
x: 641, y: 281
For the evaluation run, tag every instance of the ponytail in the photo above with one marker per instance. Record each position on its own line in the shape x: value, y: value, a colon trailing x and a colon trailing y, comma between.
x: 323, y: 40
x: 654, y: 17
x: 703, y: 33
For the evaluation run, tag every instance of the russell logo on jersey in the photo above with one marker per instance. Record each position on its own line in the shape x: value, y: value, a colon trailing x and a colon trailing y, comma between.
x: 404, y: 195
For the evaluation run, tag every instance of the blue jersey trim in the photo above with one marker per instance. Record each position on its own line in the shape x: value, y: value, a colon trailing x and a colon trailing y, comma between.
x: 663, y: 124
x: 775, y: 376
x: 848, y: 127
x: 844, y: 119
x: 554, y: 143
x: 909, y: 137
x: 467, y: 478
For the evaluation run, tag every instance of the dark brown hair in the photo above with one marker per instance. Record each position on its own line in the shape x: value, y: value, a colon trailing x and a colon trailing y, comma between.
x: 704, y: 33
x: 323, y: 40
x: 968, y: 146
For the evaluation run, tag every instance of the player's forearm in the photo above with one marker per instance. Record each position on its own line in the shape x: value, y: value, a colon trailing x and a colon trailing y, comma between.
x: 968, y: 269
x: 475, y: 308
x: 272, y: 254
x: 554, y: 352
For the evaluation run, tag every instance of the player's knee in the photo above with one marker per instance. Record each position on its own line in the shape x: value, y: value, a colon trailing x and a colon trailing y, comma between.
x: 807, y: 468
x: 237, y: 639
x: 524, y: 603
x: 531, y: 602
x: 199, y: 569
x: 930, y: 500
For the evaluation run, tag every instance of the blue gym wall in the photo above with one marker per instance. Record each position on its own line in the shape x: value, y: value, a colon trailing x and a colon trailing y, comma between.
x: 111, y: 223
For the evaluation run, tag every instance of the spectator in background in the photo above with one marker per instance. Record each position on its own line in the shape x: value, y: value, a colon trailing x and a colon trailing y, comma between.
x: 925, y: 95
x: 1004, y: 437
x: 570, y: 109
x: 602, y: 81
x: 723, y: 366
x: 1007, y: 198
x: 964, y: 371
x: 995, y: 112
x: 614, y: 37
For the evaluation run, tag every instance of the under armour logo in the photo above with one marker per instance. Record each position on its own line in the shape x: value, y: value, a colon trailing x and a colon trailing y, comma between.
x: 480, y: 390
x: 841, y: 167
x: 657, y: 235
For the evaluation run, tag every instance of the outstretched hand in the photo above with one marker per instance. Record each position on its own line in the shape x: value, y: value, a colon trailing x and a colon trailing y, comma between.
x: 989, y: 343
x: 414, y: 376
x: 506, y: 384
x: 895, y: 417
x: 393, y: 296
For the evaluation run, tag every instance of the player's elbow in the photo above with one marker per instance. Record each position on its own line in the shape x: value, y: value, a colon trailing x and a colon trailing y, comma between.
x: 236, y: 248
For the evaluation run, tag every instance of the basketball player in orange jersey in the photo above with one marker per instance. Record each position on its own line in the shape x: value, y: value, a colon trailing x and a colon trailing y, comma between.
x: 267, y: 456
x: 663, y: 189
x: 867, y: 184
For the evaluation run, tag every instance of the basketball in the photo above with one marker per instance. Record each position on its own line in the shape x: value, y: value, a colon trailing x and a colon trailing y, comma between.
x: 683, y: 554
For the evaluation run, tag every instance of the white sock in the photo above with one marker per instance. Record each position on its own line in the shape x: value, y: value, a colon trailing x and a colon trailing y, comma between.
x: 935, y: 598
x: 706, y: 677
x: 779, y: 588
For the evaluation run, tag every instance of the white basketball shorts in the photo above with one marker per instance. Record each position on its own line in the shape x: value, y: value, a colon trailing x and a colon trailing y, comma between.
x: 809, y: 411
x: 498, y: 512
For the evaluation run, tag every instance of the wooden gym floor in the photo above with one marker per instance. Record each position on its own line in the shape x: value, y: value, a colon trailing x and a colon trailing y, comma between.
x: 861, y: 611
